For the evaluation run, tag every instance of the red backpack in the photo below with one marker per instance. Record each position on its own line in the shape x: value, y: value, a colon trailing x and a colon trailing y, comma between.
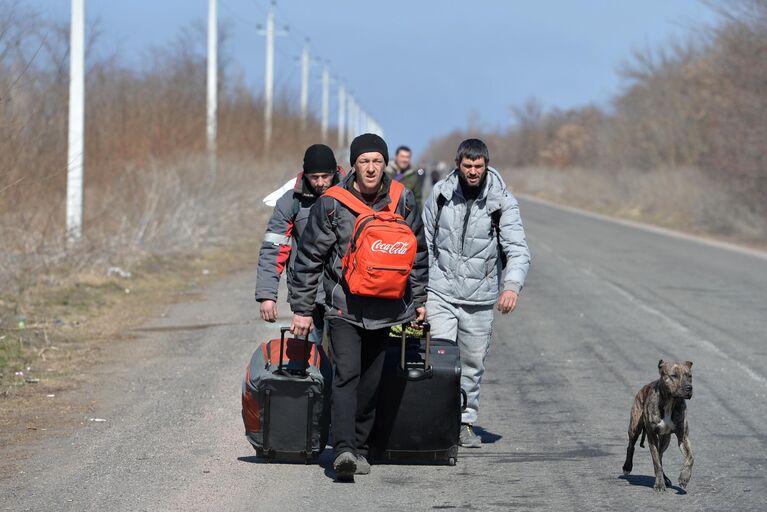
x: 382, y: 248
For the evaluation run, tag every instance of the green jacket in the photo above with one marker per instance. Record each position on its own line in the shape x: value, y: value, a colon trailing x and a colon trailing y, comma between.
x: 411, y: 179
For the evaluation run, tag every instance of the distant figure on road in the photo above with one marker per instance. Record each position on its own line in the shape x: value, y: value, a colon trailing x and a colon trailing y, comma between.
x: 359, y: 318
x: 478, y: 257
x: 400, y: 169
x: 437, y: 170
x: 286, y: 226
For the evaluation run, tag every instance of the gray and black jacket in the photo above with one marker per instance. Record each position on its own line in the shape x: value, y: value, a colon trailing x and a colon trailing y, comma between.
x: 324, y: 244
x: 283, y: 234
x: 464, y: 262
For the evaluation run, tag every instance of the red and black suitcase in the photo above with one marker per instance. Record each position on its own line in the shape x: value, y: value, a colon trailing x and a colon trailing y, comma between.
x: 418, y: 415
x: 286, y: 399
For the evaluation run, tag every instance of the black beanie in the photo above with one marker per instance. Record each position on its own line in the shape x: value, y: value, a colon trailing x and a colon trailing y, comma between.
x: 319, y: 158
x: 368, y: 142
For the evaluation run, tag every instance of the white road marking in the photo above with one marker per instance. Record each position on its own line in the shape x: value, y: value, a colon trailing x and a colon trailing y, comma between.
x: 649, y: 228
x: 681, y: 328
x: 678, y: 326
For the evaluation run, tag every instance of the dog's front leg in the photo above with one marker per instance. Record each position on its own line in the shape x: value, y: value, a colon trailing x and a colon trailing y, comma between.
x: 682, y: 436
x: 660, y: 484
x: 636, y: 428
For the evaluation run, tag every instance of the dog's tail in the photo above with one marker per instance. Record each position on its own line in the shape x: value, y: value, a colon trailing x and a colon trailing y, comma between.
x: 641, y: 441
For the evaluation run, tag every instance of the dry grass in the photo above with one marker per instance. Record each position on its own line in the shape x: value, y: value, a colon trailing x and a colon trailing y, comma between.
x: 186, y: 219
x: 174, y: 207
x: 147, y: 186
x: 151, y: 203
x: 685, y: 199
x: 683, y: 144
x: 75, y: 322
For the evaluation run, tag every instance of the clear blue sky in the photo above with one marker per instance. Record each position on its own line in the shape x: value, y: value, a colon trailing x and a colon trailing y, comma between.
x: 421, y: 67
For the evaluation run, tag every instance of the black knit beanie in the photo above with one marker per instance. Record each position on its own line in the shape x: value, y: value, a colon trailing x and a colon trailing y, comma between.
x: 368, y: 142
x: 319, y: 158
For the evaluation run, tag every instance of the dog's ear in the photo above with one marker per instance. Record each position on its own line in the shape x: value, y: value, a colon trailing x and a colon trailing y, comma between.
x: 660, y: 366
x: 688, y: 364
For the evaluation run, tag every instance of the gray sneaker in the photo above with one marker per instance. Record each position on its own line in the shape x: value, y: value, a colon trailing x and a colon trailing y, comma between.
x: 467, y: 438
x: 363, y: 466
x: 345, y: 466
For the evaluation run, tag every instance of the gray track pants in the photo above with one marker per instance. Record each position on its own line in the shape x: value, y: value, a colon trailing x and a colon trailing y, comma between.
x: 471, y: 327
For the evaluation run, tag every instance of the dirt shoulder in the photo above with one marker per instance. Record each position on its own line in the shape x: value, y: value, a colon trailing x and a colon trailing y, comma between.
x: 54, y: 336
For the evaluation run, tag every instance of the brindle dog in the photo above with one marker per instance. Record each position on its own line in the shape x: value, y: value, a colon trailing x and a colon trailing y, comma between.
x: 659, y: 410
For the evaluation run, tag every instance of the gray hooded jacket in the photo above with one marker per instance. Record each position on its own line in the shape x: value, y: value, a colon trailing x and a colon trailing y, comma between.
x: 283, y: 234
x: 466, y: 268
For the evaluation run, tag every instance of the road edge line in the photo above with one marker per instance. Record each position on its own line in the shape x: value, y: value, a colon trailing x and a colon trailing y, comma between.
x: 647, y: 227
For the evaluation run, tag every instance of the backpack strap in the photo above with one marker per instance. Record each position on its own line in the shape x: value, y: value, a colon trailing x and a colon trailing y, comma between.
x: 395, y: 194
x: 351, y: 201
x: 441, y: 200
x: 345, y: 197
x: 495, y: 220
x: 297, y: 188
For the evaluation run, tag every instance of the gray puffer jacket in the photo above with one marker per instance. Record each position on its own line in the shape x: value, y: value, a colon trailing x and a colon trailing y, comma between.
x: 466, y: 268
x: 319, y: 255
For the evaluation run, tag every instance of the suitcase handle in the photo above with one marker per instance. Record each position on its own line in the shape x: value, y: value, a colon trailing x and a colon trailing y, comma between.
x: 307, y: 350
x: 416, y: 373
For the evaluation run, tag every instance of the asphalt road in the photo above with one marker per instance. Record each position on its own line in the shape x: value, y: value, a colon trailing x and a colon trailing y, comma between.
x: 603, y: 303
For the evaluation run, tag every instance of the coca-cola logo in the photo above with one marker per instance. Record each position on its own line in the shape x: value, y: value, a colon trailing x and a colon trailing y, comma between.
x: 395, y: 248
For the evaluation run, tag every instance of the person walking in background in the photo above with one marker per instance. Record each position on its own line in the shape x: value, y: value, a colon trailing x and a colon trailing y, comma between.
x: 400, y: 169
x: 359, y: 317
x: 478, y: 257
x: 286, y: 227
x: 437, y: 170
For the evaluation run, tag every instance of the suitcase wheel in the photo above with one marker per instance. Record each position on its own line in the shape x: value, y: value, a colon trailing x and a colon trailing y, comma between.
x: 451, y: 461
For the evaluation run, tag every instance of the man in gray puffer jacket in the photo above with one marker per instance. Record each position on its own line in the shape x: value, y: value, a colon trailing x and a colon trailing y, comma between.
x: 478, y: 257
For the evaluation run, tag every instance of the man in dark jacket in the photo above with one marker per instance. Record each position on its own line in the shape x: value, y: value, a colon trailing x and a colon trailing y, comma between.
x: 358, y: 325
x: 286, y: 227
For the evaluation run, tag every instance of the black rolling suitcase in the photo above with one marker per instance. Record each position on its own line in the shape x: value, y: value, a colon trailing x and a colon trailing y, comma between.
x: 418, y: 416
x: 286, y: 399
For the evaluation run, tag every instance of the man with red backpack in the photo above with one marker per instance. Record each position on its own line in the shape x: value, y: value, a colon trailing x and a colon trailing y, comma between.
x: 364, y: 242
x: 286, y: 227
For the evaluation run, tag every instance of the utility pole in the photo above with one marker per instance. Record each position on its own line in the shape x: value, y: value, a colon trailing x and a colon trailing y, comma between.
x: 351, y: 131
x: 269, y: 77
x: 76, y: 122
x: 363, y: 122
x: 374, y: 127
x: 270, y: 32
x: 325, y: 102
x: 212, y: 83
x: 341, y: 114
x: 304, y: 85
x: 358, y: 118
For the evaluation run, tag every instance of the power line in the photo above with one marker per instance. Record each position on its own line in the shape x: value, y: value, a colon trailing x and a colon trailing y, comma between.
x: 238, y: 18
